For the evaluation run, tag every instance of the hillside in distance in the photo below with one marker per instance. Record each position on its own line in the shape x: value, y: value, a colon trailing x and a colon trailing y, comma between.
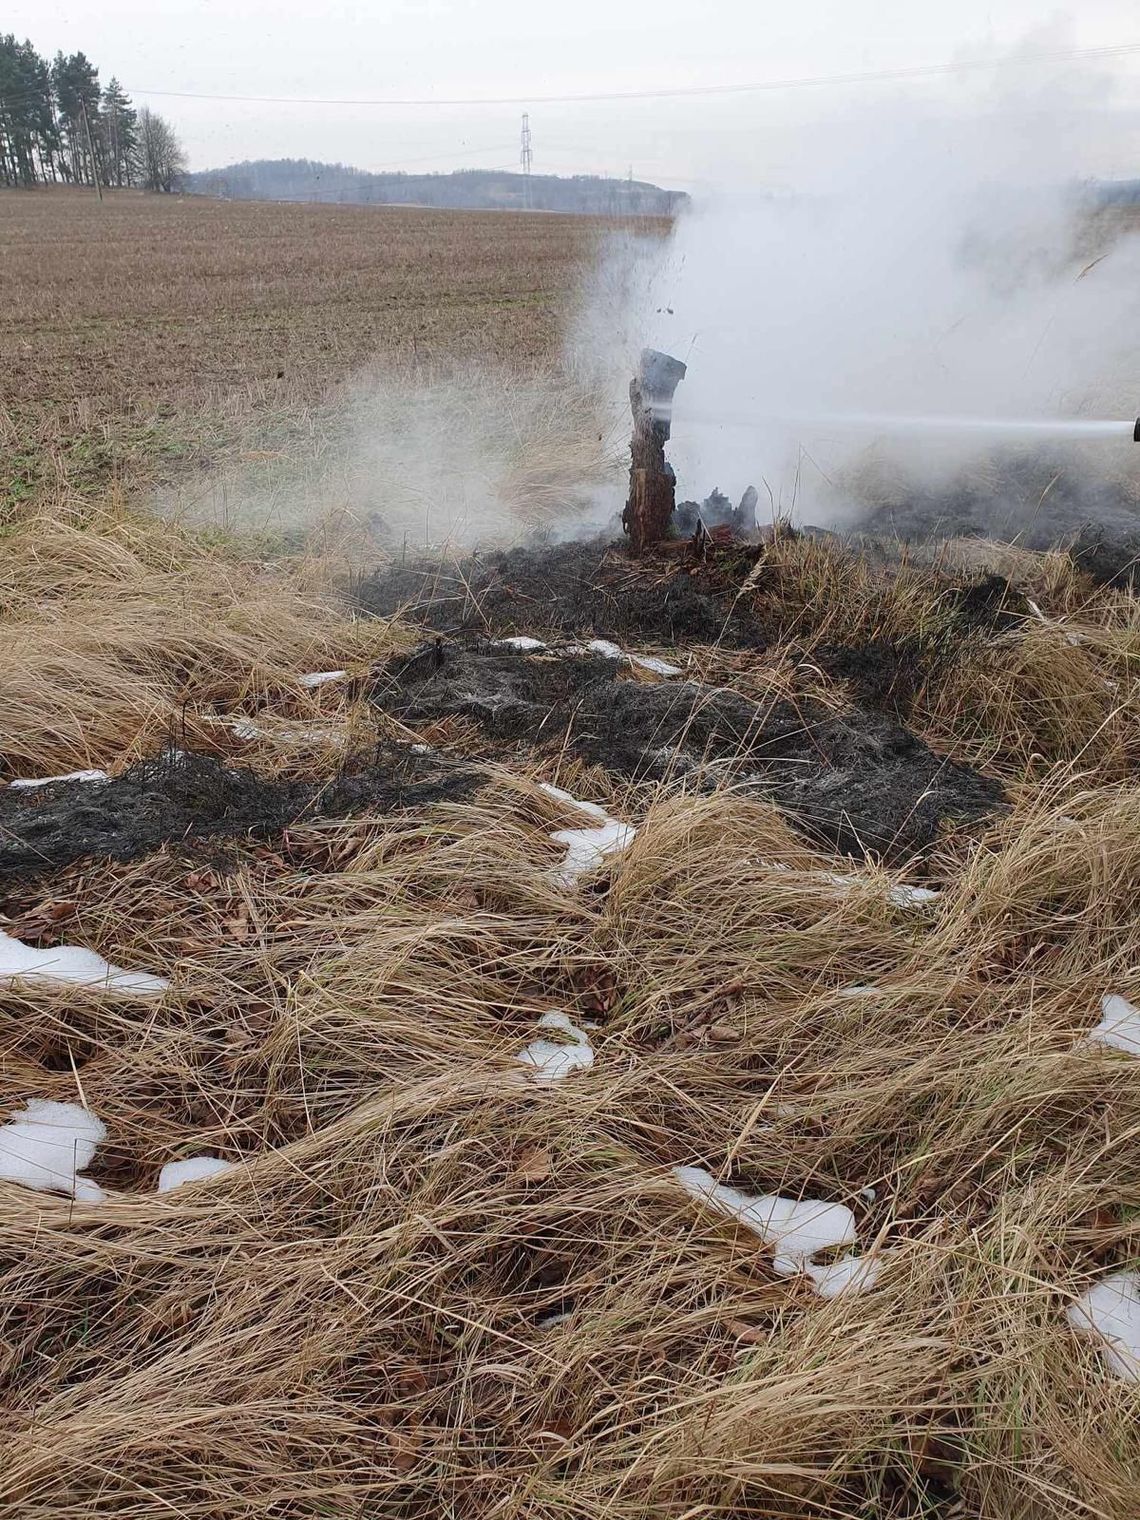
x: 301, y: 179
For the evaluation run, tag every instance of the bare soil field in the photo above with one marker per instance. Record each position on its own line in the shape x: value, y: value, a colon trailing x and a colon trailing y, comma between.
x: 149, y: 330
x: 536, y: 1035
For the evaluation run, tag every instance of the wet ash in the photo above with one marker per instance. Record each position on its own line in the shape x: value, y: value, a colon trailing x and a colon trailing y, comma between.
x: 183, y: 798
x: 856, y: 782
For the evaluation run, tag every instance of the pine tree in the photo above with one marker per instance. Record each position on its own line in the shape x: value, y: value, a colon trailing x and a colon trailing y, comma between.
x: 27, y: 136
x: 76, y: 82
x: 118, y: 126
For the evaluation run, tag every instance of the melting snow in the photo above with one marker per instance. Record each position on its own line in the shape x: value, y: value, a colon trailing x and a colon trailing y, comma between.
x: 1111, y: 1310
x: 67, y: 776
x: 69, y: 963
x: 551, y: 1061
x: 192, y: 1169
x: 605, y: 647
x: 549, y: 1321
x: 590, y: 808
x: 912, y: 897
x: 586, y: 848
x: 901, y: 896
x: 611, y: 651
x: 47, y: 1144
x: 244, y: 728
x: 322, y: 677
x: 659, y: 667
x: 794, y: 1228
x: 850, y: 1274
x: 1119, y: 1025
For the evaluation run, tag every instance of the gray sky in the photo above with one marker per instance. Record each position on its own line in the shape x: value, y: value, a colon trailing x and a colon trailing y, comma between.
x: 522, y: 50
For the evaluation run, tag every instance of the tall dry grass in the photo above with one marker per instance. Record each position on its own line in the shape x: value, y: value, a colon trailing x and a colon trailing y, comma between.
x: 118, y: 634
x: 355, y: 1322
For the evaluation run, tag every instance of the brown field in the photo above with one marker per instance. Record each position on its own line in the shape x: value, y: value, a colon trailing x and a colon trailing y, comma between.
x: 430, y: 1287
x: 145, y: 328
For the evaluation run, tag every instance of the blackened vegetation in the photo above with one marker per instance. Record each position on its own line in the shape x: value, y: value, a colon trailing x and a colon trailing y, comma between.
x: 583, y: 589
x: 648, y: 514
x: 856, y: 782
x: 1110, y: 557
x: 579, y: 588
x: 185, y: 798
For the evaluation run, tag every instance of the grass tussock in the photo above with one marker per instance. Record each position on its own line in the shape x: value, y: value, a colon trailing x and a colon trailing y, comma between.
x: 119, y: 635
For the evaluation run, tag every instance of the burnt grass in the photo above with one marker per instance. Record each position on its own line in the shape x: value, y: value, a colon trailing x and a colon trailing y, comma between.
x: 857, y: 782
x: 594, y: 588
x: 189, y: 799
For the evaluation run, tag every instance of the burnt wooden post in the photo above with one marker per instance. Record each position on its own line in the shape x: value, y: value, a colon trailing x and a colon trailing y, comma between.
x: 652, y: 484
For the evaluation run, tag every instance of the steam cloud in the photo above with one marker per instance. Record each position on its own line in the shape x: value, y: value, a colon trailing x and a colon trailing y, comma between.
x: 932, y: 260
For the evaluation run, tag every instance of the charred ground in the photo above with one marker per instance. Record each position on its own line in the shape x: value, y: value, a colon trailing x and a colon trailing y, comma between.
x: 189, y: 799
x: 853, y: 781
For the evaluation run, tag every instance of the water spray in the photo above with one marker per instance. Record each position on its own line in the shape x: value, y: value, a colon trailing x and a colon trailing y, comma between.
x: 910, y: 425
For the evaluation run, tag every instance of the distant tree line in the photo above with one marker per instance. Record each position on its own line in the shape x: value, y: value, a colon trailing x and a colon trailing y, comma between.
x: 301, y: 179
x: 59, y: 126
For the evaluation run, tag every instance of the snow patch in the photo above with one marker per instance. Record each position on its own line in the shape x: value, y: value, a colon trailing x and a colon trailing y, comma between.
x: 586, y: 848
x: 658, y: 667
x: 850, y: 1274
x: 46, y: 1145
x: 321, y: 678
x: 70, y: 963
x: 796, y: 1229
x: 550, y: 1060
x: 611, y: 651
x: 1110, y: 1310
x: 604, y: 647
x: 591, y: 809
x: 901, y: 896
x: 549, y: 1321
x: 1119, y: 1025
x: 192, y: 1169
x: 912, y: 897
x: 30, y: 782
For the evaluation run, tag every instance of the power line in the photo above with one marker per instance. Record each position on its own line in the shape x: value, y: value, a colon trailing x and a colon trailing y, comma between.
x: 526, y: 157
x: 805, y: 81
x: 869, y: 76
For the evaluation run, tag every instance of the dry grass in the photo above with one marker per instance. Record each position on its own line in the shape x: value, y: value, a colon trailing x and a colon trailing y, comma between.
x: 120, y: 634
x: 354, y: 1321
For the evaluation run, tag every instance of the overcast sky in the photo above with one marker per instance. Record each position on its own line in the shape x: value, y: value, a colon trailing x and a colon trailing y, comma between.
x: 519, y: 52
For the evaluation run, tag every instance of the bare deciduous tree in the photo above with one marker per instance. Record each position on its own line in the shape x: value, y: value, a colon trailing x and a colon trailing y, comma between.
x: 162, y: 161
